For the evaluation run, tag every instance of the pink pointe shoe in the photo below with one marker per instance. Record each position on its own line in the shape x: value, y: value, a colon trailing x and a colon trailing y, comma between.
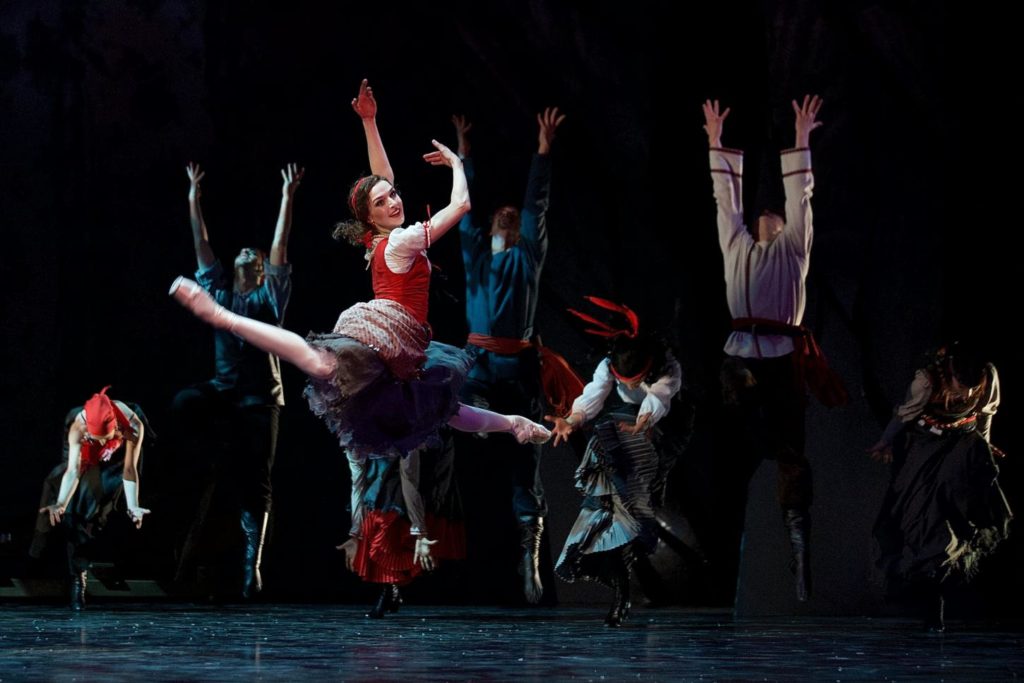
x: 189, y: 294
x: 527, y: 431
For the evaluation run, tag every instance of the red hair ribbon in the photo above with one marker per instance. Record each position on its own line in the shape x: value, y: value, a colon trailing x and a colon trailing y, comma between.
x: 354, y: 194
x: 604, y: 329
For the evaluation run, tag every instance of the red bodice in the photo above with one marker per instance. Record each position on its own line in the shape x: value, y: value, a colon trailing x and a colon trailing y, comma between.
x: 411, y: 289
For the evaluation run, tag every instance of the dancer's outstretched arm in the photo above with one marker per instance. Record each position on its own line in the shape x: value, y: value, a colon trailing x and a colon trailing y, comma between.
x: 292, y: 176
x: 68, y: 482
x: 727, y: 177
x: 475, y: 242
x: 365, y: 105
x: 533, y: 222
x: 200, y: 238
x: 798, y: 179
x: 130, y: 475
x: 459, y: 204
x: 587, y: 405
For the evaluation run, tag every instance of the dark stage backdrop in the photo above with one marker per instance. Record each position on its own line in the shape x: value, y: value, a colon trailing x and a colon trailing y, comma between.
x: 103, y: 103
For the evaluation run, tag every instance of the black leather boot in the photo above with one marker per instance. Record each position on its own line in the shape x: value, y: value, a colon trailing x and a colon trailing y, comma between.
x: 620, y: 604
x: 254, y: 529
x: 620, y: 601
x: 798, y: 523
x: 530, y: 531
x: 935, y: 621
x: 78, y: 580
x: 389, y: 601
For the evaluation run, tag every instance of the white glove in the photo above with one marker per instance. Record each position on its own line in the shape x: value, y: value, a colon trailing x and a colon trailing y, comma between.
x: 131, y: 498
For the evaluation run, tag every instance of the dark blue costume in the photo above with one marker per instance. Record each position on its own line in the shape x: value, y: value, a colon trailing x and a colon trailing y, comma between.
x: 501, y: 301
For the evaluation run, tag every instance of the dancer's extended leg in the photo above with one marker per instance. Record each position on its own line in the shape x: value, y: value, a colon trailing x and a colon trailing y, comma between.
x: 287, y: 345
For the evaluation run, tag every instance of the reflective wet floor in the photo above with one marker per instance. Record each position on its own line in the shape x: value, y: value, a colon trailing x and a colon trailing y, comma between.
x: 157, y: 642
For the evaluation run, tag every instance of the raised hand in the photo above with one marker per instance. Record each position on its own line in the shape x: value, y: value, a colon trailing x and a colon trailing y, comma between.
x: 806, y: 118
x: 548, y: 121
x: 442, y: 156
x: 364, y: 104
x: 194, y: 176
x: 462, y: 126
x: 292, y: 176
x: 714, y: 122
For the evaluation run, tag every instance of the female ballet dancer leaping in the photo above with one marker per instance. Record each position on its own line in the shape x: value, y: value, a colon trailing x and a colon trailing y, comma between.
x: 377, y: 380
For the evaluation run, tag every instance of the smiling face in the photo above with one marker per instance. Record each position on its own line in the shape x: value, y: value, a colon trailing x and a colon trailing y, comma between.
x: 386, y: 211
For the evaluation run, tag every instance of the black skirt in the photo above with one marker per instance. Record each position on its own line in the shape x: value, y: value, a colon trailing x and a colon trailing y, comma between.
x: 943, y: 511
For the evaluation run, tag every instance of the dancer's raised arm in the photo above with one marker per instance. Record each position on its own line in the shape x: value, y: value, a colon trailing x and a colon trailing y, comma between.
x: 459, y: 204
x: 365, y: 105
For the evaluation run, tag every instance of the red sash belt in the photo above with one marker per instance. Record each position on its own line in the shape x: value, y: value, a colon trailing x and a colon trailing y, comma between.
x: 809, y: 362
x: 560, y: 382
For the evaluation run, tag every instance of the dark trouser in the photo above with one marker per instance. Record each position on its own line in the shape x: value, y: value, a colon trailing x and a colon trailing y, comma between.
x: 766, y: 420
x: 240, y: 440
x: 223, y: 454
x: 518, y: 394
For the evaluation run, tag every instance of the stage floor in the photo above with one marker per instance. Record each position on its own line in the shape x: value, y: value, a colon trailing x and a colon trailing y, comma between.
x: 155, y: 642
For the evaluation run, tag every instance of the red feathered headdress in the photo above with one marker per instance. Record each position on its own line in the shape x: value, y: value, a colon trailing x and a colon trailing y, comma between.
x: 604, y: 329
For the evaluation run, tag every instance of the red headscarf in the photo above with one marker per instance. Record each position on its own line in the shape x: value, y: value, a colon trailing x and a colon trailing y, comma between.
x: 100, y: 415
x: 632, y: 378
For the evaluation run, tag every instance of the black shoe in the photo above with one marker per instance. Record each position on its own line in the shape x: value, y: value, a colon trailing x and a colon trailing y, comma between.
x: 530, y: 531
x: 389, y: 601
x: 78, y: 591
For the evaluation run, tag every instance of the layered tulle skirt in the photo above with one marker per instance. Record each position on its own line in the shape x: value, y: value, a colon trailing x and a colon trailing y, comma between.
x: 392, y: 389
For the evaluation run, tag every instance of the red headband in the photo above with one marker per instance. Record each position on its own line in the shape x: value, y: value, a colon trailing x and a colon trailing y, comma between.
x: 355, y: 193
x: 99, y: 414
x: 605, y: 330
x: 638, y: 376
